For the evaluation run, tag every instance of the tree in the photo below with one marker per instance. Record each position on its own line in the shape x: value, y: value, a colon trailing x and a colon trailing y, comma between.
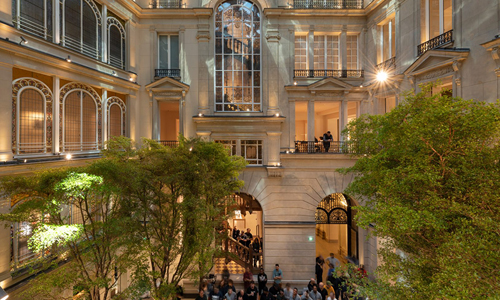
x: 178, y: 199
x: 75, y: 215
x: 430, y: 180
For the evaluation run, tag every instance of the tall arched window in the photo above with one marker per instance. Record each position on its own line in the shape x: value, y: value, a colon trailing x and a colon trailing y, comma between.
x: 81, y: 27
x: 116, y: 43
x: 80, y: 122
x: 31, y: 122
x: 237, y: 57
x: 35, y: 17
x: 32, y: 117
x: 116, y: 117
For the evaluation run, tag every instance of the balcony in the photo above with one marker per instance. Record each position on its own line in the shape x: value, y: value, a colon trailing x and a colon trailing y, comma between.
x: 328, y: 4
x: 172, y: 144
x: 328, y: 73
x: 386, y: 65
x: 173, y: 73
x: 165, y: 4
x: 336, y: 147
x: 440, y: 40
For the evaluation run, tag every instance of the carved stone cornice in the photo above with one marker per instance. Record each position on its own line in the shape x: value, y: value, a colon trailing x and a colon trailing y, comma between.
x: 435, y: 74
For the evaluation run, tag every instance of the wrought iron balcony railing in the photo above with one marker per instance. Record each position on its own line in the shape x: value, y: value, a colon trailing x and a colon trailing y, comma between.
x: 160, y: 73
x: 386, y: 65
x: 436, y: 42
x: 334, y: 147
x: 328, y: 73
x: 328, y: 4
x: 172, y: 144
x: 165, y: 4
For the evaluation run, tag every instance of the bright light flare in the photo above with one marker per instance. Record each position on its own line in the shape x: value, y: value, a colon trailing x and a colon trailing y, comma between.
x: 382, y: 76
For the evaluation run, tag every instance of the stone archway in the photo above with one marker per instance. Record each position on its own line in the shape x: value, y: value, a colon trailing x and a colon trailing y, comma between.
x: 336, y: 230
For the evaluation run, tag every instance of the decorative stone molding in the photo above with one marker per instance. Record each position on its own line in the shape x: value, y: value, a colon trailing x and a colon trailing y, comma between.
x: 273, y: 36
x: 203, y: 33
x: 17, y: 86
x: 435, y: 74
x: 273, y: 171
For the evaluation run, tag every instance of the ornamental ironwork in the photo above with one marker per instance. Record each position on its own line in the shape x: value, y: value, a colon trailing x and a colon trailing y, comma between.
x: 333, y: 209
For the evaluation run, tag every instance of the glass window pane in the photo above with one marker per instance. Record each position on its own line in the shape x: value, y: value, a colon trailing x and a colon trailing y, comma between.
x: 174, y: 52
x: 163, y: 52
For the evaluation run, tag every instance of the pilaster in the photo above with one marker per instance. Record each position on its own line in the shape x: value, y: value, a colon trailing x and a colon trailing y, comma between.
x: 310, y: 120
x: 273, y: 148
x: 56, y: 24
x: 310, y: 48
x: 343, y: 117
x: 273, y: 37
x: 104, y: 124
x: 343, y: 48
x: 55, y: 113
x: 104, y: 29
x: 6, y: 113
x: 203, y: 37
x: 291, y: 121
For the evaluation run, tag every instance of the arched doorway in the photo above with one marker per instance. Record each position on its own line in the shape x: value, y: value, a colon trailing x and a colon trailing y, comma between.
x: 336, y: 230
x: 247, y: 217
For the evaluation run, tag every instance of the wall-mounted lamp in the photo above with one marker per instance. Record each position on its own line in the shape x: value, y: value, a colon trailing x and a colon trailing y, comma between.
x: 68, y: 59
x: 23, y: 41
x: 277, y: 115
x: 382, y: 76
x: 114, y: 73
x: 200, y: 115
x: 3, y: 294
x: 68, y: 156
x: 131, y: 79
x: 295, y: 83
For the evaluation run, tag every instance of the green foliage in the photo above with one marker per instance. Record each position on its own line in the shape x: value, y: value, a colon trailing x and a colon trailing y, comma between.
x: 46, y: 236
x: 430, y: 181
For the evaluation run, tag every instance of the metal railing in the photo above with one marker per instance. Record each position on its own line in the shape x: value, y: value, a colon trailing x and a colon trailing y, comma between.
x: 116, y: 62
x: 172, y: 144
x: 436, y: 42
x: 329, y: 73
x: 386, y: 65
x: 165, y: 4
x: 328, y: 4
x: 335, y: 147
x: 160, y: 73
x: 32, y: 27
x: 78, y: 46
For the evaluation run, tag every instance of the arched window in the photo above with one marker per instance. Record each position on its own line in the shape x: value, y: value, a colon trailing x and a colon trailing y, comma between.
x: 116, y: 43
x: 237, y: 57
x: 116, y: 117
x: 80, y: 122
x: 35, y: 17
x: 32, y: 117
x: 31, y: 122
x: 81, y: 27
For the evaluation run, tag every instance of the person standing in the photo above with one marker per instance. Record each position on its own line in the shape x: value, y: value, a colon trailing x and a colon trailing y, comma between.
x: 256, y: 251
x: 319, y: 270
x: 262, y: 280
x: 277, y: 275
x: 333, y: 261
x: 327, y: 138
x: 247, y: 278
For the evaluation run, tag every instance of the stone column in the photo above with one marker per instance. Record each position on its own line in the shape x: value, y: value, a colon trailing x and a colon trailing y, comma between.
x: 132, y: 118
x: 291, y: 50
x: 310, y: 120
x: 361, y: 49
x: 182, y: 113
x: 291, y: 118
x: 273, y: 37
x: 153, y: 49
x: 182, y: 52
x: 55, y: 114
x: 104, y: 124
x: 6, y: 113
x: 203, y: 37
x: 155, y: 119
x: 343, y: 48
x: 104, y: 29
x: 56, y: 25
x: 342, y: 117
x: 273, y: 148
x: 310, y: 48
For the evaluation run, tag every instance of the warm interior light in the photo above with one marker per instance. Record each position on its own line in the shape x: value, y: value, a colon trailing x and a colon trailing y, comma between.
x: 68, y: 156
x: 382, y: 76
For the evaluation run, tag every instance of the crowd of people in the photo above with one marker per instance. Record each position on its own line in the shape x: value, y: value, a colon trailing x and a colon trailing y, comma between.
x: 248, y: 240
x: 333, y: 289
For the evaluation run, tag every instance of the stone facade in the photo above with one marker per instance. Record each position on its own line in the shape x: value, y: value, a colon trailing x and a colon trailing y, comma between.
x: 287, y: 185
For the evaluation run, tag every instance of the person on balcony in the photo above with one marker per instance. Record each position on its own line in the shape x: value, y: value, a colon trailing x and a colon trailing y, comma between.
x: 327, y: 138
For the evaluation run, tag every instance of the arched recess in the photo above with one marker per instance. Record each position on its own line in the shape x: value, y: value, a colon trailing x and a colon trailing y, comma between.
x: 336, y: 228
x: 79, y: 87
x: 116, y: 43
x: 19, y: 86
x: 115, y: 115
x: 248, y: 214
